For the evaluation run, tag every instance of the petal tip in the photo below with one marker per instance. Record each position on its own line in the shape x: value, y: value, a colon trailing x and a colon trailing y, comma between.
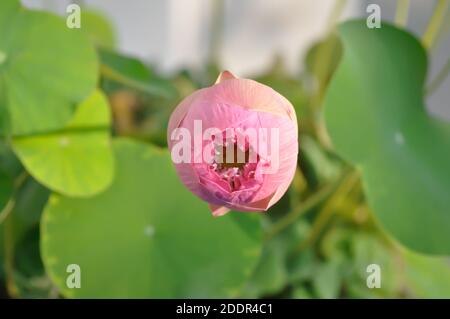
x: 225, y: 75
x: 218, y: 211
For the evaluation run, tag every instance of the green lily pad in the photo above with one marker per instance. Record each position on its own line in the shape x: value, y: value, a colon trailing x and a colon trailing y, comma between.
x: 76, y: 160
x: 377, y: 119
x: 429, y: 277
x: 146, y: 236
x: 45, y: 69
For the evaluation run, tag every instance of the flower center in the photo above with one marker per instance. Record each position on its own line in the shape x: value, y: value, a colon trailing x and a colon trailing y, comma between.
x: 233, y: 164
x: 238, y: 157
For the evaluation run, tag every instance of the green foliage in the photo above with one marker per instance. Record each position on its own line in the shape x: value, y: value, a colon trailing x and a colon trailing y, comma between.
x: 320, y: 166
x: 327, y: 280
x: 274, y: 269
x: 134, y: 74
x: 146, y: 236
x: 429, y: 277
x: 30, y: 276
x: 9, y: 163
x: 79, y: 193
x: 6, y: 189
x: 45, y: 69
x: 376, y: 118
x: 76, y: 160
x: 2, y: 255
x: 31, y: 198
x: 323, y: 58
x: 99, y: 29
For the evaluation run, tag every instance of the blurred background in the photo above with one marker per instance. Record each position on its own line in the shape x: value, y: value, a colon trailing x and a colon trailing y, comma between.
x: 245, y: 37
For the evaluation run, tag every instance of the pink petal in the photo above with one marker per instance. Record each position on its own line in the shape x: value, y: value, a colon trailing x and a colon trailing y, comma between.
x: 250, y: 95
x: 218, y: 210
x: 180, y: 112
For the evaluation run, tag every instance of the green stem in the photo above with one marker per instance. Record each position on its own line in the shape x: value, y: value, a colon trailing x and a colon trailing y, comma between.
x: 324, y: 58
x: 7, y: 210
x: 327, y: 211
x: 11, y: 202
x: 326, y: 54
x: 336, y: 12
x: 20, y: 179
x: 436, y: 20
x: 9, y: 253
x: 322, y: 133
x: 7, y: 218
x: 307, y: 205
x: 440, y: 77
x: 401, y: 15
x: 445, y: 29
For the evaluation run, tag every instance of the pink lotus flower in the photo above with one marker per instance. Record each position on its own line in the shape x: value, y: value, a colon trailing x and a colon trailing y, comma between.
x: 235, y: 144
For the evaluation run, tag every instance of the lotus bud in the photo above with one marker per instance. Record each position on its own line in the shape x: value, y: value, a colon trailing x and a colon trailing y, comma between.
x: 235, y: 144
